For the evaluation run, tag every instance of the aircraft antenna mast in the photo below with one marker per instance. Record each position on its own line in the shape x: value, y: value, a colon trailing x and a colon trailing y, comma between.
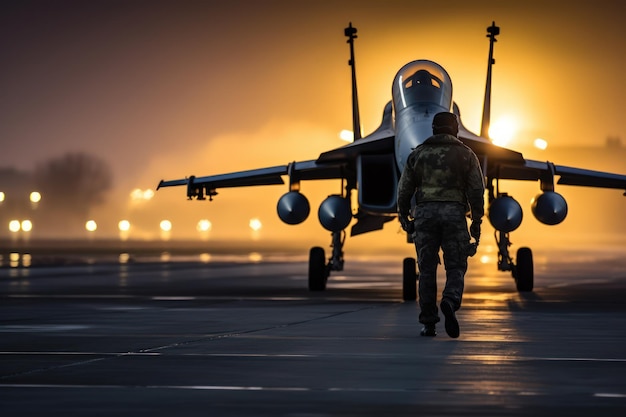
x: 350, y: 32
x: 492, y: 32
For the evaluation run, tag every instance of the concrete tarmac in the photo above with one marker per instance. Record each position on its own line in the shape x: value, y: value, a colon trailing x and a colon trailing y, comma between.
x: 234, y: 337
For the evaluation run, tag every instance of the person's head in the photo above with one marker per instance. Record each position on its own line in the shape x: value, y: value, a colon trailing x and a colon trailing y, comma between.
x: 445, y: 122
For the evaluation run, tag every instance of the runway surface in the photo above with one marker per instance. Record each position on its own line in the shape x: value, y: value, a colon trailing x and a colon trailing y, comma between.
x: 242, y: 336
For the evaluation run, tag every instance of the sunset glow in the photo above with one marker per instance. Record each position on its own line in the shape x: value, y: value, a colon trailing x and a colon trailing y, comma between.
x: 201, y: 89
x: 503, y: 130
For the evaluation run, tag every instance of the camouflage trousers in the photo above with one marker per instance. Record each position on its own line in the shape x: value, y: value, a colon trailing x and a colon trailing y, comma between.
x: 440, y: 225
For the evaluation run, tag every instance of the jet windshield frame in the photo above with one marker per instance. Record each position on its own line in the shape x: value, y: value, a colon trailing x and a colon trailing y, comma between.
x: 423, y: 82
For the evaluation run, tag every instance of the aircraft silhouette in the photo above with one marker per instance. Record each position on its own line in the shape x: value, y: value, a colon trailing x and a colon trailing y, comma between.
x: 371, y: 165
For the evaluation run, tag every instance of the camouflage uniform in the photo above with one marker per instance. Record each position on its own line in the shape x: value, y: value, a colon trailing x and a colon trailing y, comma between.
x: 445, y: 178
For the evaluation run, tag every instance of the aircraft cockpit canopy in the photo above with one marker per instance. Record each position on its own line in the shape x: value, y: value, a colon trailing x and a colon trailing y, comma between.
x: 423, y: 82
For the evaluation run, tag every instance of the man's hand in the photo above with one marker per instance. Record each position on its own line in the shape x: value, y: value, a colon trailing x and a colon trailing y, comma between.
x: 472, y: 248
x: 407, y: 225
x: 475, y: 229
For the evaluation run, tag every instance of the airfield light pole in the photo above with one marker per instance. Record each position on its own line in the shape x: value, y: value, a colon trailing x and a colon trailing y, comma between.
x: 492, y: 32
x: 350, y: 32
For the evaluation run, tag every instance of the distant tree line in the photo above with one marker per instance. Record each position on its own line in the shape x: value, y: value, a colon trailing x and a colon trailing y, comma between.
x: 70, y: 185
x: 75, y: 182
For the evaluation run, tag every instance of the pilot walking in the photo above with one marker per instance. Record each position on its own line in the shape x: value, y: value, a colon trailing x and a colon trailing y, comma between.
x: 445, y: 178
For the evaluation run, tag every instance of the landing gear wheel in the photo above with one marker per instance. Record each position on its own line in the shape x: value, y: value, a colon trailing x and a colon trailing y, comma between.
x: 524, y: 272
x: 409, y: 279
x: 317, y: 269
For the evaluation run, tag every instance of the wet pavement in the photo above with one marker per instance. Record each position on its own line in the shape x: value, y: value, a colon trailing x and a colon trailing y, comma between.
x: 244, y: 337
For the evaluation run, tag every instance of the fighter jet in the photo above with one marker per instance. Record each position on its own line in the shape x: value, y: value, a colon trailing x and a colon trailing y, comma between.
x: 371, y: 166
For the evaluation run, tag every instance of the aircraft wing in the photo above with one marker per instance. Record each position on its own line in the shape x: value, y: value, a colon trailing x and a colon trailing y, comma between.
x: 506, y: 164
x: 537, y: 170
x: 304, y: 170
x: 337, y: 163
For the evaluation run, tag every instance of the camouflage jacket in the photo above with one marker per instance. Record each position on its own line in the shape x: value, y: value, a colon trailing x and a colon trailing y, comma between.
x: 442, y: 169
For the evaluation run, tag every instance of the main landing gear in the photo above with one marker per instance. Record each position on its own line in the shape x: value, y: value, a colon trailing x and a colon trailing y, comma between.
x: 523, y: 270
x: 409, y: 279
x: 319, y: 270
x: 505, y: 215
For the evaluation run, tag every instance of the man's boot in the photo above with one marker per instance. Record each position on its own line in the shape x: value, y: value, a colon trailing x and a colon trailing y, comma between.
x: 452, y: 325
x: 429, y: 330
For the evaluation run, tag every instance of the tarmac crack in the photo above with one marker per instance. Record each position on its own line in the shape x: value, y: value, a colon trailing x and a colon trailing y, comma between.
x: 108, y: 356
x: 258, y: 330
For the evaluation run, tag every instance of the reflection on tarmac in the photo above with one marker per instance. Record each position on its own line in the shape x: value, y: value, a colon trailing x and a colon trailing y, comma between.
x: 25, y: 260
x: 239, y: 335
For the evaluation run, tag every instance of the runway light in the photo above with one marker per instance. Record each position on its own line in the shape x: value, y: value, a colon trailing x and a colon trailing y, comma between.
x: 165, y: 225
x: 91, y: 226
x: 204, y: 226
x: 124, y: 225
x: 255, y: 224
x: 35, y: 197
x: 14, y: 226
x: 255, y: 257
x: 541, y: 144
x: 14, y: 259
x: 346, y: 135
x: 27, y: 225
x: 139, y: 194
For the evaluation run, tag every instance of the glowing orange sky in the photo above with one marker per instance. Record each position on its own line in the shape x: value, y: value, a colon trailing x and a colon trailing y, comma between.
x: 165, y: 89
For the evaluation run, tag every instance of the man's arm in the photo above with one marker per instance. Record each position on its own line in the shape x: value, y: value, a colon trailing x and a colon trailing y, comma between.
x: 476, y: 196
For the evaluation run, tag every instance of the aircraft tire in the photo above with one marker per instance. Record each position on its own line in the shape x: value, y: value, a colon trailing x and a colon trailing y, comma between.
x: 409, y: 279
x: 524, y: 271
x: 317, y: 269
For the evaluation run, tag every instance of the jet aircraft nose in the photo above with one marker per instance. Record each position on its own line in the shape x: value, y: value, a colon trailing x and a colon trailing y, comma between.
x: 420, y: 90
